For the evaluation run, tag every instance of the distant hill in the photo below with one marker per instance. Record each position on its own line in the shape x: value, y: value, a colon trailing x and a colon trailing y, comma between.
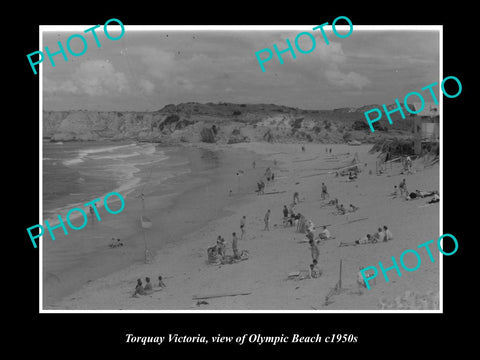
x: 233, y: 123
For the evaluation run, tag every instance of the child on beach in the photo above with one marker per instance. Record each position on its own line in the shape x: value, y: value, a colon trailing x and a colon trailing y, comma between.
x: 139, y: 289
x: 160, y: 283
x: 148, y: 286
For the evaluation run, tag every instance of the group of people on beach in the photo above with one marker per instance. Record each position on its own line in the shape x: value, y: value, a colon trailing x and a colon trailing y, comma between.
x: 417, y: 194
x: 340, y: 209
x: 219, y: 251
x: 115, y: 243
x: 381, y: 235
x: 147, y: 289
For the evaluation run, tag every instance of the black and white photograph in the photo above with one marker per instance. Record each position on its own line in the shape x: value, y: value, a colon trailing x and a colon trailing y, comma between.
x: 245, y: 179
x: 204, y: 177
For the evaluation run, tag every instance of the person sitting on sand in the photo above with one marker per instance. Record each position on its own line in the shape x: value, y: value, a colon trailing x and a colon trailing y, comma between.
x: 139, y: 289
x: 352, y: 175
x: 341, y: 210
x: 353, y: 208
x: 260, y: 187
x: 378, y: 236
x: 113, y: 243
x: 363, y: 241
x: 388, y: 233
x: 315, y: 272
x: 414, y: 195
x: 435, y: 199
x: 325, y: 234
x: 161, y: 283
x: 333, y: 202
x: 148, y: 286
x: 292, y: 219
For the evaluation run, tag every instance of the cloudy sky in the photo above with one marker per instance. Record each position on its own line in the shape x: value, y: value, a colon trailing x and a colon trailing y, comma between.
x: 146, y: 70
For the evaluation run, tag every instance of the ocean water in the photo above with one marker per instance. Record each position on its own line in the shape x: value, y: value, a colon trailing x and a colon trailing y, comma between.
x: 75, y: 173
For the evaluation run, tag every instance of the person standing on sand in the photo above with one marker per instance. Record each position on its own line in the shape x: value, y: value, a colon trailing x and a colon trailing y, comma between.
x: 296, y: 199
x: 243, y: 221
x: 235, y: 246
x: 253, y: 164
x: 267, y: 220
x: 314, y: 250
x: 286, y: 214
x: 403, y: 188
x: 324, y: 191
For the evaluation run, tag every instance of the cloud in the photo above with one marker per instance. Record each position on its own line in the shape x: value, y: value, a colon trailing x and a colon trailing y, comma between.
x: 147, y: 86
x: 92, y: 77
x: 351, y: 79
x: 52, y: 86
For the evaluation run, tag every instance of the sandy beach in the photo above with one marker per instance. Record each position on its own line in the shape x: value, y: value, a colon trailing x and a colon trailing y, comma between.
x: 274, y: 254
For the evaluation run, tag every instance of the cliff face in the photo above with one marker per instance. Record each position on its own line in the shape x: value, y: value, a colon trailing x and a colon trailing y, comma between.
x: 190, y: 122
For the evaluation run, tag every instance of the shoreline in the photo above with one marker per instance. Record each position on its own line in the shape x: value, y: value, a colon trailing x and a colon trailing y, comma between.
x: 276, y: 253
x: 173, y: 207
